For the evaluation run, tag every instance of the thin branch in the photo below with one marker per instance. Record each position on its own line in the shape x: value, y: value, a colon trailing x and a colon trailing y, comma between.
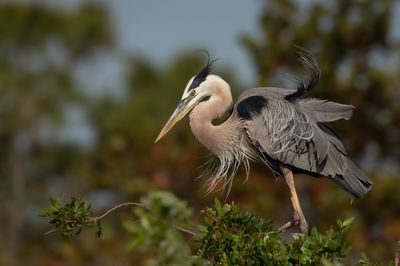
x: 50, y: 231
x: 396, y: 258
x: 95, y: 219
x: 185, y: 230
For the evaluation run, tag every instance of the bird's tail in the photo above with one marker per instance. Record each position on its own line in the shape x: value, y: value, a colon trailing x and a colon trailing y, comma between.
x: 354, y: 180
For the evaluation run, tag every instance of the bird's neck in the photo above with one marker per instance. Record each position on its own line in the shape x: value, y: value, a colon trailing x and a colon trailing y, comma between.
x: 213, y: 137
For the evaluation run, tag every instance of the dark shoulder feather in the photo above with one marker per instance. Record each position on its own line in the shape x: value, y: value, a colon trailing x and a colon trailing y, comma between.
x: 251, y: 106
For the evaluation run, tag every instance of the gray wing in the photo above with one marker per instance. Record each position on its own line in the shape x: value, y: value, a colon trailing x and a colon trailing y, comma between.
x: 295, y: 133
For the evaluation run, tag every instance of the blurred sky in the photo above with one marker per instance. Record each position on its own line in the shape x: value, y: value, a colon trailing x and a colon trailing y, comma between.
x: 161, y: 29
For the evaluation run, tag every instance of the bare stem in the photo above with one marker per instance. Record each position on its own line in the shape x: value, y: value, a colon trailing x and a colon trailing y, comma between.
x: 396, y: 258
x: 50, y: 231
x: 184, y: 230
x: 95, y: 219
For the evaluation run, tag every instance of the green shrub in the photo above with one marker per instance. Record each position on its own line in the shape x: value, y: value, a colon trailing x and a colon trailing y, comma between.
x: 228, y: 235
x: 235, y: 237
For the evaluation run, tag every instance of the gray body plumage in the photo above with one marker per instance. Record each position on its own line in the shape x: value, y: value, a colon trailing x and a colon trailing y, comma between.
x: 295, y: 133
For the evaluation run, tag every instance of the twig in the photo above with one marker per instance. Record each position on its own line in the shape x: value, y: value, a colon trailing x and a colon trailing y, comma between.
x: 95, y: 219
x: 50, y: 231
x: 185, y: 230
x: 396, y: 258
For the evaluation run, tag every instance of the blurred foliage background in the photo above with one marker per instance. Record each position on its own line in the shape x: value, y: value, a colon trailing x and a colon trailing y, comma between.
x: 44, y: 102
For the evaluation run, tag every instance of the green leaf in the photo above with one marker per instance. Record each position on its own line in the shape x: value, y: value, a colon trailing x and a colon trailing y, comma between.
x: 348, y: 222
x: 218, y: 207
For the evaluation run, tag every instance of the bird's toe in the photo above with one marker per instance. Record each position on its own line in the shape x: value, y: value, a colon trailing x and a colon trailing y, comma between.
x: 304, y: 226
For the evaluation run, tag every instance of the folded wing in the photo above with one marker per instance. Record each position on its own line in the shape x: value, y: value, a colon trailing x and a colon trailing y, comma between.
x: 295, y: 133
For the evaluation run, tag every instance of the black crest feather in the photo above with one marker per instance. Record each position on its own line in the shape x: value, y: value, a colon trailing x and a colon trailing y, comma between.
x: 204, y: 72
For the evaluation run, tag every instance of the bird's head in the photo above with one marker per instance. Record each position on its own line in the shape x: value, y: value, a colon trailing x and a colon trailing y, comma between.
x: 196, y: 91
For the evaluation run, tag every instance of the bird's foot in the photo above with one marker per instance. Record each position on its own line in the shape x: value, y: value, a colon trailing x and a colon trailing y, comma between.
x: 304, y: 226
x: 297, y: 219
x: 303, y: 222
x: 287, y: 225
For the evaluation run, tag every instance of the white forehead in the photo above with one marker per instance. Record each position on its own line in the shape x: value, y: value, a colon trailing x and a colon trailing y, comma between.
x: 186, y: 91
x: 188, y: 84
x: 210, y: 79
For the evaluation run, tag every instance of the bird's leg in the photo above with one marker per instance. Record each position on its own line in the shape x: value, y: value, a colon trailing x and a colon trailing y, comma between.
x: 298, y: 216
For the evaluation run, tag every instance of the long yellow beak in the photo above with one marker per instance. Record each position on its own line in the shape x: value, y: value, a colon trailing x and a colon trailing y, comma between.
x: 181, y: 110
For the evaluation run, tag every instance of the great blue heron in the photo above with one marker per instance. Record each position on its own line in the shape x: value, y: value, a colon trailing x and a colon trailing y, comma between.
x: 272, y: 125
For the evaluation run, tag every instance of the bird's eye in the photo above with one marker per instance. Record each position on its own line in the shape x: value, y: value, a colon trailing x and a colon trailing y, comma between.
x: 193, y: 93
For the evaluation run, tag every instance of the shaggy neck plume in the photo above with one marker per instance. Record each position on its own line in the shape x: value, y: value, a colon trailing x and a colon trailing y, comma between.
x: 224, y: 140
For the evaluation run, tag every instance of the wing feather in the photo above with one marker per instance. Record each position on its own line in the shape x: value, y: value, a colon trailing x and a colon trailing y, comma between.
x: 295, y: 134
x: 326, y: 111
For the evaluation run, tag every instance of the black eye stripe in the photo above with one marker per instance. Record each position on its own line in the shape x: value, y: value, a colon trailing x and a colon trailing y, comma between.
x: 198, y: 79
x: 202, y: 75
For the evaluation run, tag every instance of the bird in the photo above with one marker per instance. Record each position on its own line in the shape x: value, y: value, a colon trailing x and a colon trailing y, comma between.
x: 279, y: 127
